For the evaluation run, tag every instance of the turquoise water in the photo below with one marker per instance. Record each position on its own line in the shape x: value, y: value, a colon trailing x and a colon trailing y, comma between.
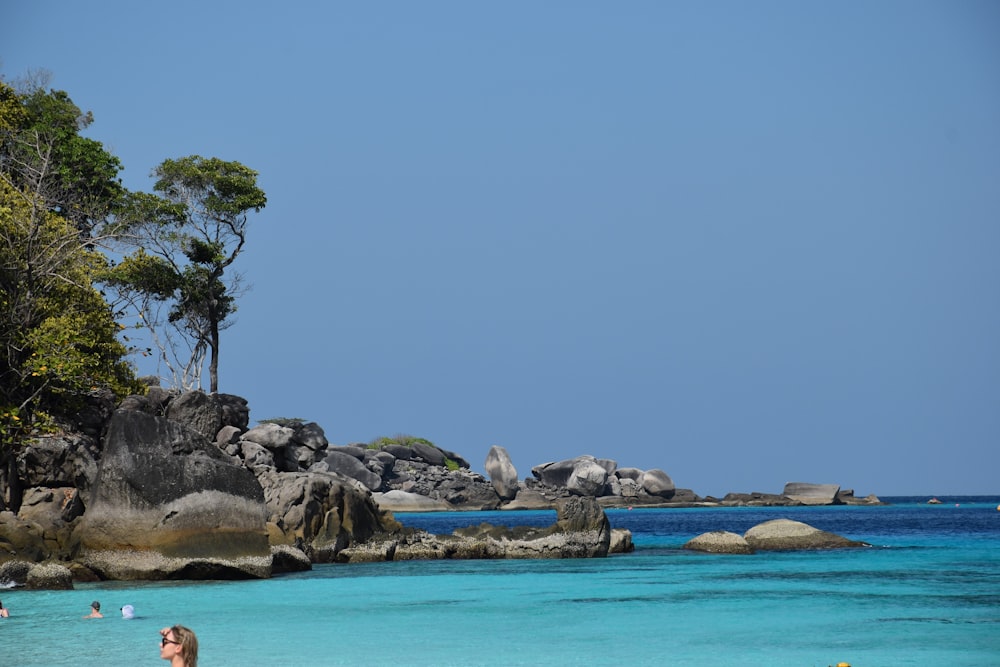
x: 926, y: 593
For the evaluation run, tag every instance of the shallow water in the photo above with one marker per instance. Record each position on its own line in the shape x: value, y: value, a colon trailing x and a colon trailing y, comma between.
x: 926, y: 593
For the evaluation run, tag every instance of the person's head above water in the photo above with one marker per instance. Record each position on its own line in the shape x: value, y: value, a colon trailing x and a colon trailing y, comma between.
x: 128, y: 611
x: 179, y: 645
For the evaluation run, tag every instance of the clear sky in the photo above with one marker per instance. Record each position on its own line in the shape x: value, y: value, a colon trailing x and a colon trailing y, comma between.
x: 747, y: 243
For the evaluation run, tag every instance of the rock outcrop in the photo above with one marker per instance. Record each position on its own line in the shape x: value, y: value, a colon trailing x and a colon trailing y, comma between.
x: 812, y: 494
x: 503, y: 474
x: 719, y: 542
x: 785, y: 534
x: 167, y: 503
x: 775, y: 535
x: 581, y: 530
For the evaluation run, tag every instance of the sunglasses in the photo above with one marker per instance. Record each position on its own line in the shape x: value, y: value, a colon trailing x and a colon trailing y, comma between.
x: 165, y: 641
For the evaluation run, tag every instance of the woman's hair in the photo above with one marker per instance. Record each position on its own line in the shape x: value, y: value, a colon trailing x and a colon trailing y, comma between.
x: 189, y: 644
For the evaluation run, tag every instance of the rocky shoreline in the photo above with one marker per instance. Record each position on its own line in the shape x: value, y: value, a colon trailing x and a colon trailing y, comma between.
x: 175, y: 485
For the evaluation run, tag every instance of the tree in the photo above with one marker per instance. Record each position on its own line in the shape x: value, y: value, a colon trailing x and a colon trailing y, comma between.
x: 184, y: 238
x: 58, y: 336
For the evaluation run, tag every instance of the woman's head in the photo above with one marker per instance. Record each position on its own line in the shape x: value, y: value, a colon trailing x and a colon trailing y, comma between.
x: 179, y: 640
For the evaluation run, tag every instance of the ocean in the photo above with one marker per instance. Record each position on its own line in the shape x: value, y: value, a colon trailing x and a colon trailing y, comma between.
x: 926, y: 593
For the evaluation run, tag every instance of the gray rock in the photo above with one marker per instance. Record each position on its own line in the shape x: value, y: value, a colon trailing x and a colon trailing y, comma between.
x: 160, y: 398
x: 323, y: 512
x: 401, y: 501
x: 630, y: 488
x: 254, y: 455
x: 621, y: 541
x: 719, y: 542
x: 554, y: 473
x: 138, y: 403
x: 503, y: 475
x: 655, y: 482
x: 581, y: 531
x: 198, y: 411
x: 272, y: 436
x: 235, y: 411
x: 14, y: 572
x: 286, y: 558
x: 351, y: 450
x: 530, y: 499
x: 428, y: 453
x: 401, y: 452
x: 310, y: 435
x: 168, y: 503
x: 629, y: 473
x: 462, y: 463
x: 228, y: 435
x: 587, y: 479
x: 49, y: 576
x: 21, y: 539
x: 59, y: 460
x: 785, y: 534
x: 812, y: 494
x: 345, y: 464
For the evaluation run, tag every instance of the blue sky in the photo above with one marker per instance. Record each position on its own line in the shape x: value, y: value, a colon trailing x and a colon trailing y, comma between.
x: 746, y: 243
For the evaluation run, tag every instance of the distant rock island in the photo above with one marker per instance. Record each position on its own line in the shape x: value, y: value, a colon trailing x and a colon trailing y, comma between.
x: 172, y: 485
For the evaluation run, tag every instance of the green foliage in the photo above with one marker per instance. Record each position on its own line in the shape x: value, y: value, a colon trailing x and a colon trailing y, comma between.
x: 183, y: 240
x: 450, y: 464
x: 401, y: 439
x: 80, y: 177
x: 60, y: 336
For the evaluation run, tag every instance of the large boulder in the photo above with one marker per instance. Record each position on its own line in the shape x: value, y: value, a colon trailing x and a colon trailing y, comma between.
x: 719, y: 542
x: 503, y: 474
x: 235, y: 411
x: 168, y: 503
x: 308, y: 446
x: 68, y: 459
x: 198, y: 411
x: 785, y: 534
x: 275, y: 439
x: 655, y: 482
x: 812, y: 494
x: 322, y: 512
x: 49, y: 576
x: 349, y: 466
x: 587, y: 479
x: 21, y: 539
x: 583, y: 475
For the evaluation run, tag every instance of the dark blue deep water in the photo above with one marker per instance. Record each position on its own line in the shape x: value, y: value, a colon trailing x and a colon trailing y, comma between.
x: 926, y: 593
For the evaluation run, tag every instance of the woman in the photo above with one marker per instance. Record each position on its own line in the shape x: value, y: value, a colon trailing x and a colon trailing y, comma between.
x: 3, y: 612
x: 179, y: 645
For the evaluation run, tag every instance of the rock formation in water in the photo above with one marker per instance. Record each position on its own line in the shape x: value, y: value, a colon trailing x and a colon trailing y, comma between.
x: 774, y: 535
x: 179, y: 487
x: 581, y: 530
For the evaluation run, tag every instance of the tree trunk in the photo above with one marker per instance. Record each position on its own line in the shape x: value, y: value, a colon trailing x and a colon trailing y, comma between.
x: 213, y: 364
